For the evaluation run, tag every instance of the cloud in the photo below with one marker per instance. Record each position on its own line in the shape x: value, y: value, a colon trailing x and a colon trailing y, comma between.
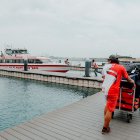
x: 92, y: 28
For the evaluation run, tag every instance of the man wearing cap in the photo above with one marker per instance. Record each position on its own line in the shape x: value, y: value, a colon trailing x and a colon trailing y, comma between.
x: 112, y: 74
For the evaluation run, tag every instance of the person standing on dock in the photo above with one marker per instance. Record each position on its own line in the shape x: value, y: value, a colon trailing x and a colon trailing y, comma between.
x: 112, y: 75
x: 95, y: 67
x: 67, y: 61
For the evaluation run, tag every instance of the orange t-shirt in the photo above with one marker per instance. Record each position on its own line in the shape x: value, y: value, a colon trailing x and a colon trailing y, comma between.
x: 117, y: 72
x: 121, y: 72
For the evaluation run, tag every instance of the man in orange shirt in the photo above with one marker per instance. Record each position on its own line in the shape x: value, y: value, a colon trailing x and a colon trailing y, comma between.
x: 112, y: 74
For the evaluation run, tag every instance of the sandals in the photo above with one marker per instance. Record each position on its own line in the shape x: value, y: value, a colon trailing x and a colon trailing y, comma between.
x: 105, y: 130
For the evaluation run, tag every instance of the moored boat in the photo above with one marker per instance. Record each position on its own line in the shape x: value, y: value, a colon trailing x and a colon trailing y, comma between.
x: 15, y: 58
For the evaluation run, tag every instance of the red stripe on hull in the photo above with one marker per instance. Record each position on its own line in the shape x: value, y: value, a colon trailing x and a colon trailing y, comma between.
x: 57, y: 68
x: 7, y: 65
x: 63, y: 71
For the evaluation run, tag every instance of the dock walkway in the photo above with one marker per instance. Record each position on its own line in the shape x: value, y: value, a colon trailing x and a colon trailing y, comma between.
x: 82, y: 120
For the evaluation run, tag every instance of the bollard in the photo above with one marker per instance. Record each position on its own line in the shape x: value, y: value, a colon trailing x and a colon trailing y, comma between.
x: 87, y: 68
x: 25, y: 65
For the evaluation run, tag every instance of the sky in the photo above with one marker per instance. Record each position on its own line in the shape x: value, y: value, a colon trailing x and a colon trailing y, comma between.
x: 71, y: 28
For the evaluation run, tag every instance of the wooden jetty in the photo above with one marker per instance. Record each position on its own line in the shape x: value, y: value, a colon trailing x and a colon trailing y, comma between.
x: 82, y: 120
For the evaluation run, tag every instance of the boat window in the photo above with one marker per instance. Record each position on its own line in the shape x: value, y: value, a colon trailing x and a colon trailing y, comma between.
x: 13, y: 61
x: 23, y: 51
x: 30, y: 60
x: 14, y: 52
x: 8, y: 51
x: 10, y: 60
x: 21, y: 61
x: 1, y: 61
x: 38, y: 61
x: 46, y: 60
x: 7, y: 61
x: 19, y: 51
x: 16, y: 60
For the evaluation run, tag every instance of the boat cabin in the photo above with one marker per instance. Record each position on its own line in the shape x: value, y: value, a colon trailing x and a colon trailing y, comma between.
x: 19, y: 55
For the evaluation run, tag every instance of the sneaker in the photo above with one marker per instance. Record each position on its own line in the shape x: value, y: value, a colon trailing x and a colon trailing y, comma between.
x: 105, y: 130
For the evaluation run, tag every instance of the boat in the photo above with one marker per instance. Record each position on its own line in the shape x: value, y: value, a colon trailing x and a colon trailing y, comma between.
x: 16, y: 58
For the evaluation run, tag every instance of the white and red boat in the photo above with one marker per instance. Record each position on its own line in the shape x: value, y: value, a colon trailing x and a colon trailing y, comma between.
x: 15, y: 58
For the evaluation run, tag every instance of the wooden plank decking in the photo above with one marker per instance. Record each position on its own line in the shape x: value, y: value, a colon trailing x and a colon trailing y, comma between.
x: 82, y: 120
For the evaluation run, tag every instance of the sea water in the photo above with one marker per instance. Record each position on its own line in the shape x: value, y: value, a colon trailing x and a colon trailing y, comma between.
x: 21, y: 100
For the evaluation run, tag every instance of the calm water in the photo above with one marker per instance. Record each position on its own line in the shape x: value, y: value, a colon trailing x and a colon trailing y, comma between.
x: 21, y: 100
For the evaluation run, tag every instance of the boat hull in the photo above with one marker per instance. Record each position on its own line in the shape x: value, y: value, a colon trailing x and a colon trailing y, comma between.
x: 44, y: 67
